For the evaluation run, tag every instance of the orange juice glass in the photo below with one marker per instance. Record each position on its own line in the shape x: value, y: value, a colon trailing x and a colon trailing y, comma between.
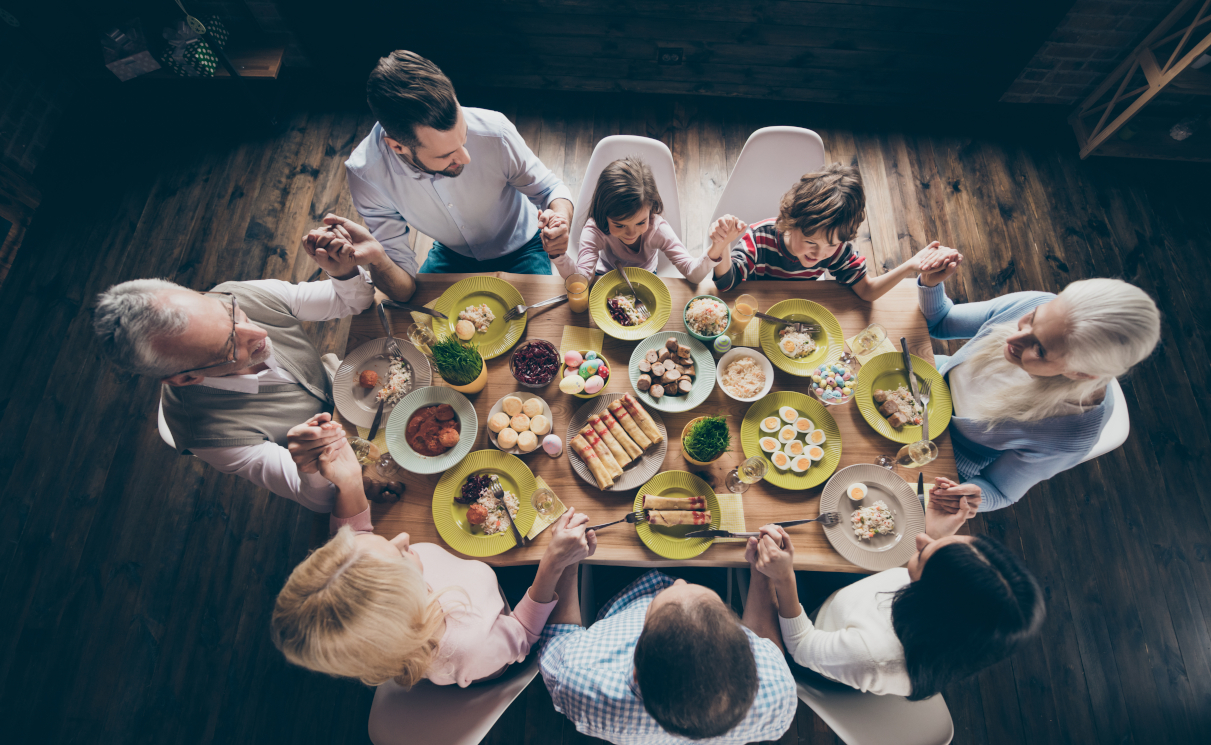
x: 577, y: 286
x: 742, y: 312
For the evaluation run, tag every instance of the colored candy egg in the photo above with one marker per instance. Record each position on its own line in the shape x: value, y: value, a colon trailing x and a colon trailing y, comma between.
x: 585, y: 373
x: 817, y: 378
x: 571, y: 371
x: 848, y: 391
x: 590, y: 355
x: 552, y: 445
x: 594, y: 384
x: 572, y: 384
x: 572, y: 358
x: 603, y: 371
x: 593, y: 364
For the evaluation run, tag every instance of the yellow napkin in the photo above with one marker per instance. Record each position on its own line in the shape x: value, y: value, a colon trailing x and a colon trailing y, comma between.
x: 883, y: 348
x: 731, y: 515
x: 421, y: 318
x: 751, y: 336
x: 542, y: 522
x: 581, y: 340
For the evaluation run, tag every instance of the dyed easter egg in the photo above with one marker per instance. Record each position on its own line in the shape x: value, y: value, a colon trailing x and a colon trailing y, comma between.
x: 594, y: 384
x: 573, y: 359
x: 572, y: 384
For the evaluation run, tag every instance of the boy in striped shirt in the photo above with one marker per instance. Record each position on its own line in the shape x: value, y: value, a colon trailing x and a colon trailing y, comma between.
x: 812, y: 234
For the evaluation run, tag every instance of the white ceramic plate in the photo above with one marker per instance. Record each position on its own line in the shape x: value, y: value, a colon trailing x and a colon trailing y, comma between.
x: 704, y: 364
x: 357, y: 404
x: 736, y: 353
x: 524, y: 396
x: 640, y: 470
x: 880, y: 552
x: 414, y: 462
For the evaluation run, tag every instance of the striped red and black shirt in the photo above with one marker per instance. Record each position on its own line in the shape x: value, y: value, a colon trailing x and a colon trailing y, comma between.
x: 761, y: 254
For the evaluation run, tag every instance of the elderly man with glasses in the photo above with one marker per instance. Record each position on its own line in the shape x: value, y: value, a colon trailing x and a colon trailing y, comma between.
x: 243, y: 388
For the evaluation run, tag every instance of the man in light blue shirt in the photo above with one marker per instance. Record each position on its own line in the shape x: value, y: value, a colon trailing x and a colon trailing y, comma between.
x: 462, y: 176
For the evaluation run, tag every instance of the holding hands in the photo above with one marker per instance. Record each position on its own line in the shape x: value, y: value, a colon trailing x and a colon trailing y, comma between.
x: 570, y: 542
x: 307, y: 441
x: 342, y: 246
x: 723, y: 233
x: 950, y: 505
x: 772, y: 554
x: 937, y: 263
x: 554, y: 228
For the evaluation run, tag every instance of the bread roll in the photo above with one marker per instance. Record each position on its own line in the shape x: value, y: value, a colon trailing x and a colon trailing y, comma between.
x: 539, y: 425
x: 532, y: 407
x: 498, y: 421
x: 527, y: 441
x: 521, y: 423
x: 511, y: 405
x: 507, y: 438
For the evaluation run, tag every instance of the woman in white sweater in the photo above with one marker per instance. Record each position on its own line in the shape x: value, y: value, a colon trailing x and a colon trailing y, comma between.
x: 961, y: 604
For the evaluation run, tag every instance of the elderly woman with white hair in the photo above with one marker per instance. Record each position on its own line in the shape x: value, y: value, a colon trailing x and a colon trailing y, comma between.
x: 1030, y: 388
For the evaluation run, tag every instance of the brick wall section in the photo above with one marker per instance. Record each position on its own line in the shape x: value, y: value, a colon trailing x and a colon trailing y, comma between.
x: 1087, y: 44
x: 30, y: 108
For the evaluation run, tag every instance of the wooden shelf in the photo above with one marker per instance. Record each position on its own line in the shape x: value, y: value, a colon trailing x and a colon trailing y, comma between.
x: 263, y: 63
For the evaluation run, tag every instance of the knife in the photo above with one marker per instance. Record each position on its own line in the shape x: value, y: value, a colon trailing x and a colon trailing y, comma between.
x: 378, y: 419
x: 912, y: 382
x: 921, y: 487
x: 416, y: 309
x: 729, y: 534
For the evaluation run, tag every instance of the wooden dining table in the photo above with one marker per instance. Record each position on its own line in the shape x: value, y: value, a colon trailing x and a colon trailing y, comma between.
x: 897, y: 311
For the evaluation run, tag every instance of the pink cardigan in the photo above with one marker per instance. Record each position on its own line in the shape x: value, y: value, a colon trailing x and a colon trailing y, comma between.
x: 605, y: 252
x: 482, y: 637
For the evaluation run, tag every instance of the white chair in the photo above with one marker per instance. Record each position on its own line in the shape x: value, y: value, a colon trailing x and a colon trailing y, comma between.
x: 162, y: 424
x: 860, y: 718
x: 1115, y: 432
x: 445, y: 715
x: 657, y: 156
x: 772, y: 160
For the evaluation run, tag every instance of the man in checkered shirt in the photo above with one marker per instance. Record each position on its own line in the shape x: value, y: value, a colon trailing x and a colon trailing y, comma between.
x: 669, y: 662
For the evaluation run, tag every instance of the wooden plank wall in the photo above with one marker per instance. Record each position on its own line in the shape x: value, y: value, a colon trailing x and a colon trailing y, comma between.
x: 136, y: 586
x: 838, y: 51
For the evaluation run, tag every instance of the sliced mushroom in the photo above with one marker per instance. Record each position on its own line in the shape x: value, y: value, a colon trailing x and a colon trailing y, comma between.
x: 644, y: 382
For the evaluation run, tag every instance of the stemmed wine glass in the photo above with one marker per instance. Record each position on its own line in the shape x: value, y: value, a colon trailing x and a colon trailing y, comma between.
x: 740, y: 478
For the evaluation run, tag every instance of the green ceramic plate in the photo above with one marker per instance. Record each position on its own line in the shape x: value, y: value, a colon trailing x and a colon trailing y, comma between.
x: 450, y: 517
x: 887, y: 371
x: 670, y: 541
x: 397, y: 424
x: 650, y: 289
x: 750, y: 433
x: 830, y: 342
x: 499, y: 296
x: 704, y: 364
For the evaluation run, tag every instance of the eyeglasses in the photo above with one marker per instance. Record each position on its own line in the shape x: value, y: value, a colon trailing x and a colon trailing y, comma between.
x: 231, y: 340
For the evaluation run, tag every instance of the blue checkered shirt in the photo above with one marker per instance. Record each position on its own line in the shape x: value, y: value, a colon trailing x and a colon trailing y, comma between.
x: 591, y: 676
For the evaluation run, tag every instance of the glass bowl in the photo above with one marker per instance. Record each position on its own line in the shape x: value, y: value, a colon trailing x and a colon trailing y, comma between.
x: 819, y: 380
x: 530, y: 347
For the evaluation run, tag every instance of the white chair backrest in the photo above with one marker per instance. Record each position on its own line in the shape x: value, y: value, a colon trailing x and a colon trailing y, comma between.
x: 1116, y: 430
x: 162, y: 424
x: 772, y: 160
x: 445, y: 715
x: 657, y: 156
x: 860, y: 718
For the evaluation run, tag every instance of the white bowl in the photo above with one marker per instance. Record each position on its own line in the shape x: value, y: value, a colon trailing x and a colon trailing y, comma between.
x: 726, y: 360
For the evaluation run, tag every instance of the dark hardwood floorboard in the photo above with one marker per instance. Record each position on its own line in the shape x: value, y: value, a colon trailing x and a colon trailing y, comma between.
x: 136, y: 585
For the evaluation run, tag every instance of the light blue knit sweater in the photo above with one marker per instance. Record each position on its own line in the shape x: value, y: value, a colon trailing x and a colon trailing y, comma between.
x: 1013, y: 457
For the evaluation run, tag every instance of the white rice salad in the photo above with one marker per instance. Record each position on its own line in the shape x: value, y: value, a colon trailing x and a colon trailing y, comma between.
x: 399, y: 382
x: 480, y: 316
x: 743, y: 377
x: 706, y: 316
x: 795, y: 344
x: 497, y: 522
x: 869, y: 522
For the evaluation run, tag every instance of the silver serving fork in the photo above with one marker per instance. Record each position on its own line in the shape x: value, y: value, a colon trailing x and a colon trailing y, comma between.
x: 632, y: 517
x: 796, y: 326
x: 392, y: 348
x: 517, y: 311
x: 499, y: 493
x: 640, y: 308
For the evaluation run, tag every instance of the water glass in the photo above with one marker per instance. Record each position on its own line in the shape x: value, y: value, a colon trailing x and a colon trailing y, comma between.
x: 387, y: 468
x: 869, y: 339
x: 747, y: 473
x: 543, y: 500
x: 917, y: 454
x: 422, y: 337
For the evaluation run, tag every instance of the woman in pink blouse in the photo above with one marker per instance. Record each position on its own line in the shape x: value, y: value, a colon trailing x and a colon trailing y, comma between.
x: 368, y: 608
x: 625, y: 227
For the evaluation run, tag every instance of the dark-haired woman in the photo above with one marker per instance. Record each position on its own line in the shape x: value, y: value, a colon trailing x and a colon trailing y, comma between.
x: 961, y: 604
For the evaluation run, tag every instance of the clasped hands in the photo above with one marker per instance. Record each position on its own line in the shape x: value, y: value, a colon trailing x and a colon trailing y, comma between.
x: 554, y: 227
x: 320, y: 445
x: 341, y: 246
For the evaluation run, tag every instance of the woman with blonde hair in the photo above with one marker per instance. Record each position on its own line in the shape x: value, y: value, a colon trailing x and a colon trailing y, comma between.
x: 1030, y: 388
x: 365, y: 607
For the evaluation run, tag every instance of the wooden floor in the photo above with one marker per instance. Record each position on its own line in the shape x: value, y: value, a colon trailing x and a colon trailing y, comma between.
x: 137, y: 585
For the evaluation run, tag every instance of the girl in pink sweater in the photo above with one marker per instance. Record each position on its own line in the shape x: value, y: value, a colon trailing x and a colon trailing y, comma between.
x: 368, y: 608
x: 625, y: 227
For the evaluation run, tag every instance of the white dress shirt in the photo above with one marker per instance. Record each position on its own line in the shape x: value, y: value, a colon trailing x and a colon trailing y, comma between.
x: 487, y: 211
x: 852, y: 640
x: 268, y: 464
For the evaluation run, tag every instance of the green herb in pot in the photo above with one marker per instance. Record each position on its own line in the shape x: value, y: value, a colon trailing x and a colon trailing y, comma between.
x: 456, y: 363
x: 707, y: 439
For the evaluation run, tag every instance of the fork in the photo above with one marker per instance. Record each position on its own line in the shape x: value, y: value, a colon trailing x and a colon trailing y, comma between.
x: 923, y: 387
x: 392, y: 348
x: 797, y: 326
x: 499, y: 493
x: 640, y: 308
x: 632, y: 517
x: 517, y: 311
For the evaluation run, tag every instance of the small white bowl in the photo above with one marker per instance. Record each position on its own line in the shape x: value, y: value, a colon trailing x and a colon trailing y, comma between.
x: 759, y: 358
